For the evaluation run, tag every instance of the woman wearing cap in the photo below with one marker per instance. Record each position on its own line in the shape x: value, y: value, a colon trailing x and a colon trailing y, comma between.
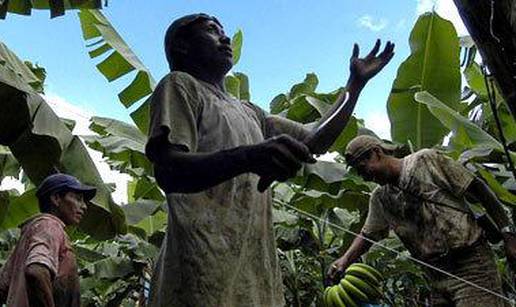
x: 42, y: 271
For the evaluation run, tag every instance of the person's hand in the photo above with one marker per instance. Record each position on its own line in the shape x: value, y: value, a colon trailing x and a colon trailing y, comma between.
x: 510, y: 249
x: 335, y: 271
x: 278, y: 158
x: 363, y: 69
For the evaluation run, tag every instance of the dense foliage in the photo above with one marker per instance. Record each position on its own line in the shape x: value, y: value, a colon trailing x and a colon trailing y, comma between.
x: 315, y: 213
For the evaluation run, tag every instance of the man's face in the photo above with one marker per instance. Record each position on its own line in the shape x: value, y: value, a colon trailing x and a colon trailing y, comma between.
x: 370, y: 167
x: 209, y: 46
x: 70, y: 207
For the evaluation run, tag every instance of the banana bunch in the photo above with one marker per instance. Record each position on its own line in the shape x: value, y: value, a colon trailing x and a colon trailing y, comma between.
x: 361, y: 284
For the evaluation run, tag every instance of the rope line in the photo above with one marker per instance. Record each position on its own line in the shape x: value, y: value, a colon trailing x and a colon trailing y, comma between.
x: 397, y: 252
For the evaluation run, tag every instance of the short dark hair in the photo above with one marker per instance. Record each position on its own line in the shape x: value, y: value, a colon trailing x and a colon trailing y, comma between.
x: 179, y: 31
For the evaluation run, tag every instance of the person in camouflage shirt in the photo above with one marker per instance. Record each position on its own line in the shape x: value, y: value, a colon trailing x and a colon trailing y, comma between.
x: 423, y: 199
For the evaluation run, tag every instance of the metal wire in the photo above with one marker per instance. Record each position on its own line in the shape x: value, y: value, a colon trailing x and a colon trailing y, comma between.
x: 397, y: 252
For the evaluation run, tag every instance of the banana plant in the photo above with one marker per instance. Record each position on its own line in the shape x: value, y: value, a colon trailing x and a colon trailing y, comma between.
x: 104, y: 38
x: 56, y: 7
x: 432, y: 66
x: 121, y: 60
x: 42, y: 144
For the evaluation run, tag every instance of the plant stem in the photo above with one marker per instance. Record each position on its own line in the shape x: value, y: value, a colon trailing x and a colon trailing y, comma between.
x: 491, y: 93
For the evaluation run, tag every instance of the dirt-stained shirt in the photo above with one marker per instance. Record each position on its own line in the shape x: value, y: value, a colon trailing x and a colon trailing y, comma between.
x: 219, y: 248
x: 426, y: 209
x: 42, y: 241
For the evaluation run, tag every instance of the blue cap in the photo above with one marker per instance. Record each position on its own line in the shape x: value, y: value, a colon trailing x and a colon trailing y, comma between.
x: 62, y: 182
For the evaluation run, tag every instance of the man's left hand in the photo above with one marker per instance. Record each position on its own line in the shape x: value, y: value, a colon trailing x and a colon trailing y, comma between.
x: 363, y: 69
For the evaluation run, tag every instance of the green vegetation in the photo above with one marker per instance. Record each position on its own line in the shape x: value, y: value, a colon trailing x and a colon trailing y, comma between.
x: 313, y: 212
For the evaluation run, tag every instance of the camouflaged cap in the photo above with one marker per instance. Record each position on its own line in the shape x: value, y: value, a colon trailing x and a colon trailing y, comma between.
x: 362, y: 144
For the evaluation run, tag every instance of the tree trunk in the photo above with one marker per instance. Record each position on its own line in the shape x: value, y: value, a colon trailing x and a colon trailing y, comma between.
x: 492, y: 25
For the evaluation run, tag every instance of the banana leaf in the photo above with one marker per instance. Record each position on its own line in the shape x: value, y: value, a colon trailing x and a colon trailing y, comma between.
x: 432, y: 66
x: 9, y: 166
x: 236, y: 45
x: 123, y: 144
x: 42, y: 144
x: 120, y: 61
x: 466, y: 135
x: 56, y: 7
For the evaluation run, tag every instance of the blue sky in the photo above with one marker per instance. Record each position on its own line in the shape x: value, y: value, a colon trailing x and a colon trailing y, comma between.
x: 283, y: 40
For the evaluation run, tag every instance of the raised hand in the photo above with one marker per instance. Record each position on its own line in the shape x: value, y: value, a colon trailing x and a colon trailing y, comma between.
x: 363, y: 69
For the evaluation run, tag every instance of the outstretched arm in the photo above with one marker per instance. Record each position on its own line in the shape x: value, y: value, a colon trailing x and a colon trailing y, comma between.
x: 186, y: 172
x: 335, y: 120
x: 358, y: 247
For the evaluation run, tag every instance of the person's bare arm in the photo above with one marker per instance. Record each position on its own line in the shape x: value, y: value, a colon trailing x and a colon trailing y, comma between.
x: 336, y: 119
x: 478, y: 191
x: 358, y: 247
x: 39, y: 285
x: 186, y: 172
x: 331, y: 124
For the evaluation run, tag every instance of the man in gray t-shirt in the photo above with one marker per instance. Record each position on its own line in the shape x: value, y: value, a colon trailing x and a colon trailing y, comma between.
x: 212, y: 154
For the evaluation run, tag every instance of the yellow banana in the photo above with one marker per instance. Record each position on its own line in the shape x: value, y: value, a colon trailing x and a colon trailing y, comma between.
x: 335, y: 298
x: 370, y: 291
x: 363, y: 274
x: 370, y: 269
x: 354, y: 291
x: 346, y: 298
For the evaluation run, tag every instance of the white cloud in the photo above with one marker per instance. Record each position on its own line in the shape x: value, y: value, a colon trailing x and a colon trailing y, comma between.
x: 445, y: 9
x: 425, y: 6
x: 370, y: 23
x: 379, y: 123
x: 400, y: 25
x: 10, y: 183
x: 448, y: 10
x: 65, y: 109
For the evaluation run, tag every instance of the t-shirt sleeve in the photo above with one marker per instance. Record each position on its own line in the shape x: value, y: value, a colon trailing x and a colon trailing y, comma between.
x: 375, y: 226
x: 449, y: 173
x: 273, y: 125
x: 45, y: 244
x: 174, y: 115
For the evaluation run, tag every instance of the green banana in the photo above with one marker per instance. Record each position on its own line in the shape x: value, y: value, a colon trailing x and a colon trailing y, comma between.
x: 335, y: 298
x: 364, y: 274
x: 346, y: 298
x: 370, y: 291
x: 370, y: 269
x: 354, y: 291
x: 325, y: 297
